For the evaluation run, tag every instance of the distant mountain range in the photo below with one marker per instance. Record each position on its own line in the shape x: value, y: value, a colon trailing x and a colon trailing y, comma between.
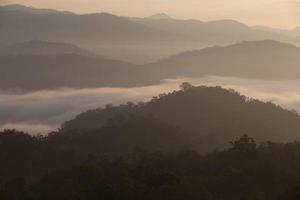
x: 265, y: 59
x: 221, y: 30
x: 44, y: 24
x: 292, y: 32
x: 62, y: 26
x: 37, y: 72
x: 159, y: 16
x: 75, y: 68
x: 30, y: 10
x: 39, y: 47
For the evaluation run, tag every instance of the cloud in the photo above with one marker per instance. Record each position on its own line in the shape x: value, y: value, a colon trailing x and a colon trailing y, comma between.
x: 33, y: 129
x: 43, y: 111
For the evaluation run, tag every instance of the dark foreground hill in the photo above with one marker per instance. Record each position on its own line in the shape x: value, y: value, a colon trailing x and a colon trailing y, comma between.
x: 267, y: 171
x: 216, y: 115
x: 24, y: 155
x: 122, y: 144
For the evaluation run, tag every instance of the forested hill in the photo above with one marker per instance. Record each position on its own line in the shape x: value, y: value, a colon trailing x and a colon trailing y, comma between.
x: 216, y: 114
x: 267, y: 171
x: 122, y: 143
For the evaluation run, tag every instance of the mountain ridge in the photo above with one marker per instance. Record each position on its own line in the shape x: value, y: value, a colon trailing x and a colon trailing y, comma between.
x: 213, y: 114
x: 266, y: 59
x: 133, y: 29
x: 40, y: 47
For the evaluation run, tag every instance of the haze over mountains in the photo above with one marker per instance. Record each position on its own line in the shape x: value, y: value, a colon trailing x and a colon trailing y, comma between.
x: 99, y: 106
x: 61, y: 26
x: 124, y: 38
x: 258, y: 59
x: 35, y: 72
x: 53, y: 25
x: 34, y: 65
x: 44, y: 58
x: 292, y: 32
x: 39, y: 47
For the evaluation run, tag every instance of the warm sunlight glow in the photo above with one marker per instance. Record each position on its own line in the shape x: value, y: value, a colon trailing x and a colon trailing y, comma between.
x: 275, y: 13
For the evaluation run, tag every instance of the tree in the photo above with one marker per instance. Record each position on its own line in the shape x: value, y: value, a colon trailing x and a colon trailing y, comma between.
x: 185, y: 86
x: 243, y: 145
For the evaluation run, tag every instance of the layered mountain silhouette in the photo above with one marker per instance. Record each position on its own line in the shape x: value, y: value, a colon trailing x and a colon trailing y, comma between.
x: 44, y: 24
x: 36, y: 72
x: 130, y: 39
x: 30, y: 10
x: 39, y: 47
x: 62, y: 26
x: 211, y: 115
x: 217, y: 31
x: 267, y: 59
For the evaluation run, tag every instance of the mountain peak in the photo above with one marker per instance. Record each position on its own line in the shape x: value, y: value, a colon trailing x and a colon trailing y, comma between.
x: 29, y: 9
x: 160, y: 16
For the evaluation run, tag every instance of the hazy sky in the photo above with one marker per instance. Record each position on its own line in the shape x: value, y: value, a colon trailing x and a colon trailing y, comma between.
x: 276, y: 13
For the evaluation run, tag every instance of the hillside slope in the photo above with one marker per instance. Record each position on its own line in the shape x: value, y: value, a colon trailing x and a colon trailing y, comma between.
x: 212, y: 113
x: 35, y: 72
x: 39, y: 47
x: 66, y: 27
x: 266, y: 59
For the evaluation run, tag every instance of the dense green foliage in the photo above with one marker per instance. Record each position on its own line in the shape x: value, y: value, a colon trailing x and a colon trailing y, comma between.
x: 247, y: 171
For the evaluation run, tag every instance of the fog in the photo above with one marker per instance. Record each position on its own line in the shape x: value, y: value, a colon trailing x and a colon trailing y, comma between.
x: 44, y: 111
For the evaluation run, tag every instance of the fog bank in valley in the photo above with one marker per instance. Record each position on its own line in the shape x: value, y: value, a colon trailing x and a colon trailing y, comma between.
x: 44, y: 111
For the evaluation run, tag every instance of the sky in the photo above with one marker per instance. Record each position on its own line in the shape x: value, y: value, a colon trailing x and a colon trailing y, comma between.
x: 273, y: 13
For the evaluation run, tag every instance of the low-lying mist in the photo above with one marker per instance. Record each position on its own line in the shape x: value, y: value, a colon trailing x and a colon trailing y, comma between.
x: 44, y: 111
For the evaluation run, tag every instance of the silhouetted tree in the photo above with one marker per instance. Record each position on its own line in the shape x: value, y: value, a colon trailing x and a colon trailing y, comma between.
x: 185, y: 86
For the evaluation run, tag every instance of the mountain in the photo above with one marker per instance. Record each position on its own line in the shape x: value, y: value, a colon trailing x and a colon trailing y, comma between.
x: 159, y: 16
x: 211, y: 115
x: 288, y: 32
x: 199, y: 118
x: 265, y: 59
x: 217, y: 31
x: 274, y: 30
x: 35, y: 72
x: 35, y: 168
x: 66, y: 27
x: 39, y: 47
x: 43, y: 24
x: 296, y: 31
x: 268, y: 59
x: 120, y: 136
x: 31, y: 10
x: 135, y: 40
